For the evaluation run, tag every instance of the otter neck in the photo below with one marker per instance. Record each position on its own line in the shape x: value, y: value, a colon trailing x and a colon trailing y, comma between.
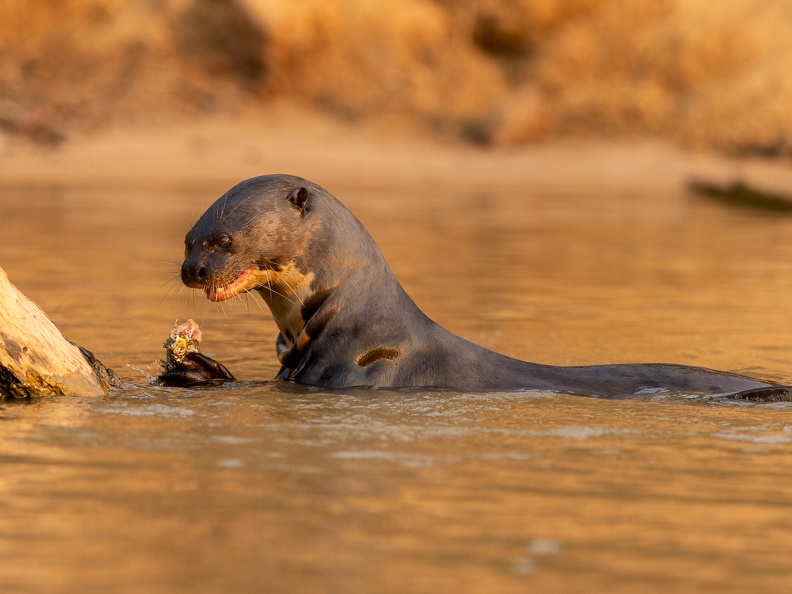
x: 285, y: 293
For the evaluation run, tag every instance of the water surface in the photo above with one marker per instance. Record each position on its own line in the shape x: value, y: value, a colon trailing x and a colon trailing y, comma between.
x: 270, y: 487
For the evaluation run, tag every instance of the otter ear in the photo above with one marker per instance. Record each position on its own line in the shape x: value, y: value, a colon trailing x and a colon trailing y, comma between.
x: 299, y: 198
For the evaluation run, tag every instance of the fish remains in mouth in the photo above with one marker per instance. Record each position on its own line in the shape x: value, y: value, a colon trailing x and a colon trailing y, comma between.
x: 184, y: 365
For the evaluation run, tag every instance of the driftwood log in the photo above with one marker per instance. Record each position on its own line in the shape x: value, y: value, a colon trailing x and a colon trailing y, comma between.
x: 35, y: 358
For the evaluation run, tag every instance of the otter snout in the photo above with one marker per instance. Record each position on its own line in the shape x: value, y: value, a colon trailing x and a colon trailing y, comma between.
x: 194, y: 274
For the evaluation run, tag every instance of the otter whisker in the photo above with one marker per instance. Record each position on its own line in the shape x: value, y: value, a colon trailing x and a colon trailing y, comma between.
x: 249, y: 293
x: 245, y: 297
x: 240, y: 203
x: 220, y: 214
x: 293, y: 292
x: 238, y: 297
x: 173, y: 290
x: 273, y: 291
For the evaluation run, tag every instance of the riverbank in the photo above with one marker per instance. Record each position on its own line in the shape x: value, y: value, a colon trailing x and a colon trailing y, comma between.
x: 219, y: 150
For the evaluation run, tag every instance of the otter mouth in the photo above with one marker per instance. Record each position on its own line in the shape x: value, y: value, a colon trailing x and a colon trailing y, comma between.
x: 247, y: 281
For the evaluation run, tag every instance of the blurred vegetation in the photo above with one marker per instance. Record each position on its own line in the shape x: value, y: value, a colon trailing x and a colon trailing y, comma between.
x: 495, y: 71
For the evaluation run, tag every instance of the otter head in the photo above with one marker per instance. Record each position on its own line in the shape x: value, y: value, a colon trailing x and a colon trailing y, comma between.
x: 251, y: 238
x: 287, y: 239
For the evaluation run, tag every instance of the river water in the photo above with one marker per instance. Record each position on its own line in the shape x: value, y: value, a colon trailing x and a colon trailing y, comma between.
x: 267, y: 487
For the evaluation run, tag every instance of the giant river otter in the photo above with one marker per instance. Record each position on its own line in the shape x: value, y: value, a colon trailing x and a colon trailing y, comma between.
x: 345, y: 320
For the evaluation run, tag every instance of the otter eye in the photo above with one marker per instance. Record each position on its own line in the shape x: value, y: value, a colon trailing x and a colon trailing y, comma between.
x: 223, y: 240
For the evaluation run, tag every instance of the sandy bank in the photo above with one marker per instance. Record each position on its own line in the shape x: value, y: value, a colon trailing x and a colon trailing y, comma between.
x: 220, y: 150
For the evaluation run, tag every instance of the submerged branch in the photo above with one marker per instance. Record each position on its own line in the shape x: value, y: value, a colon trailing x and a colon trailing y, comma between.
x: 739, y: 193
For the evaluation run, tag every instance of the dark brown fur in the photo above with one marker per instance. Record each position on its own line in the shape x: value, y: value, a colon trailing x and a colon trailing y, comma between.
x: 345, y: 320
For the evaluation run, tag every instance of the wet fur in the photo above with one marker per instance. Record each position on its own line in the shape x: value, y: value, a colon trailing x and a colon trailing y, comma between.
x: 345, y: 320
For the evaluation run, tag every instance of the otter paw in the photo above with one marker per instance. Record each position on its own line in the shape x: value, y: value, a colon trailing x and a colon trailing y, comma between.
x: 184, y: 365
